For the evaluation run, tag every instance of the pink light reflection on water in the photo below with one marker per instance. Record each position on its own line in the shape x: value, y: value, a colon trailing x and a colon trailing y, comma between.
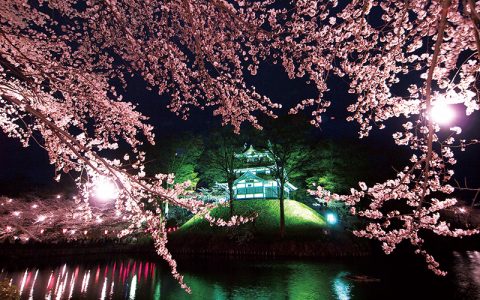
x: 30, y: 296
x: 71, y: 281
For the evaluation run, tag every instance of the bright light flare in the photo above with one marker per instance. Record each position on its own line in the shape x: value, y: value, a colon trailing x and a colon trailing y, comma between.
x: 104, y: 189
x: 331, y: 218
x: 442, y: 113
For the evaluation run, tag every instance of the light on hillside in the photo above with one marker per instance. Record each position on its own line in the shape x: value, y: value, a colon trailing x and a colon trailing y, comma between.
x: 331, y: 218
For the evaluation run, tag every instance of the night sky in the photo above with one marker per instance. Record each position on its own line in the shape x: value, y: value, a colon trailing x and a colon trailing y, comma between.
x: 30, y: 166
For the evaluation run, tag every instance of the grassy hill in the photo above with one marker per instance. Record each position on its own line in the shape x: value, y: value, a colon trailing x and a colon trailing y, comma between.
x: 300, y: 221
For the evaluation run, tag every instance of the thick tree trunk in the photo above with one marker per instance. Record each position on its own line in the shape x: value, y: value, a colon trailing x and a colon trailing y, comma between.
x: 282, y: 209
x: 231, y: 197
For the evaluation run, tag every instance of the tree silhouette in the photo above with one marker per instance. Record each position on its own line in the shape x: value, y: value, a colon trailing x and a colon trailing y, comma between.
x: 218, y: 161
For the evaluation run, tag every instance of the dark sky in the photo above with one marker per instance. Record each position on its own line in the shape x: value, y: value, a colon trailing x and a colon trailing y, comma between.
x: 30, y: 166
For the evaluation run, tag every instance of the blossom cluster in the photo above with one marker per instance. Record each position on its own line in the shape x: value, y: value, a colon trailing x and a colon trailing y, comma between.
x: 58, y: 218
x: 64, y: 68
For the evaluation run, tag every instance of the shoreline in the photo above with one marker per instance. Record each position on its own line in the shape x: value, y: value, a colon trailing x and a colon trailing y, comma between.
x: 270, y: 248
x: 203, y: 246
x: 288, y: 249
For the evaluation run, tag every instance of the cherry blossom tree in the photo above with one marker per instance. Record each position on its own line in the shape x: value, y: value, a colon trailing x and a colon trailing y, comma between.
x: 64, y: 67
x: 399, y: 50
x: 53, y: 219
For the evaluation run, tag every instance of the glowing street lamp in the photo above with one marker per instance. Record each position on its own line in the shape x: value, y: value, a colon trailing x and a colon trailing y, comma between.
x: 104, y: 189
x: 442, y: 113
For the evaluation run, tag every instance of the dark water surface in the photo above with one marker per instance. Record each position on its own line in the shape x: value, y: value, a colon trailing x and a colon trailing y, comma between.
x: 148, y: 278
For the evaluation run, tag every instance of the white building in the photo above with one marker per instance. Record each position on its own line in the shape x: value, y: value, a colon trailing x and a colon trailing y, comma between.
x: 255, y: 180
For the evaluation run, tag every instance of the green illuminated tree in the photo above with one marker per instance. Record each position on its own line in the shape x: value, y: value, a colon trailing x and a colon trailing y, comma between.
x: 339, y: 165
x: 284, y: 139
x: 218, y: 161
x: 178, y: 155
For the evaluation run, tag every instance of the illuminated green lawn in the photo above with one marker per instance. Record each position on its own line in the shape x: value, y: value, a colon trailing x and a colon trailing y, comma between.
x: 300, y: 220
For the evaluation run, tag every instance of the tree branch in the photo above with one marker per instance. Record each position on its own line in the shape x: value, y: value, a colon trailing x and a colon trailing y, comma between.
x: 476, y: 24
x: 428, y: 93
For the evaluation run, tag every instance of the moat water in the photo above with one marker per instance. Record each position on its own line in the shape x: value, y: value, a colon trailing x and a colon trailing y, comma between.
x: 124, y: 277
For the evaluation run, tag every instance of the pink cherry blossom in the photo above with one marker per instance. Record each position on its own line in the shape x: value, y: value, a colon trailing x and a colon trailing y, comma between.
x: 63, y: 70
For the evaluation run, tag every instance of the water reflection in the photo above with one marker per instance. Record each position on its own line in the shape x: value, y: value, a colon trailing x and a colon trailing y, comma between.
x: 133, y: 288
x: 106, y: 280
x: 341, y: 287
x: 466, y: 268
x: 143, y: 279
x: 126, y: 278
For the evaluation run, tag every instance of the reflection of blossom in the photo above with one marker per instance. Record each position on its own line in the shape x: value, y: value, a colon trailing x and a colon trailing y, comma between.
x: 76, y: 282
